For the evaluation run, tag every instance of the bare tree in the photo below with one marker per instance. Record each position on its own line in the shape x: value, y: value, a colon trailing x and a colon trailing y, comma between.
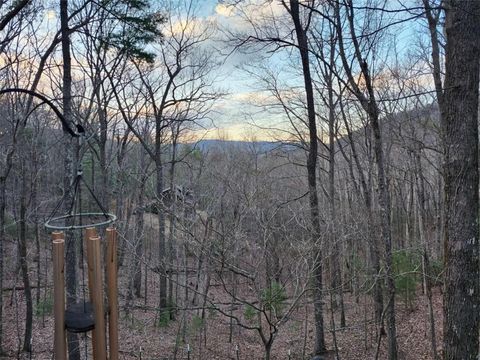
x: 69, y: 148
x: 177, y: 82
x: 459, y: 113
x: 367, y: 98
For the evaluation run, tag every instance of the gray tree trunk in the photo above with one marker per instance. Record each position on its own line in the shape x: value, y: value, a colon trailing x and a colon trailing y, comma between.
x: 425, y: 256
x: 69, y: 151
x: 302, y: 40
x: 385, y: 209
x: 460, y: 139
x: 337, y: 283
x: 22, y: 247
x: 374, y: 252
x: 2, y: 242
x: 161, y: 234
x: 367, y: 99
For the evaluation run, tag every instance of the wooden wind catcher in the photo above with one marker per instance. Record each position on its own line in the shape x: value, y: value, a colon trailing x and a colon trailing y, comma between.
x: 89, y: 315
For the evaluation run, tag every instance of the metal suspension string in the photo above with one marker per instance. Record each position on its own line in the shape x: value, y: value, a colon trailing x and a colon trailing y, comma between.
x: 75, y: 211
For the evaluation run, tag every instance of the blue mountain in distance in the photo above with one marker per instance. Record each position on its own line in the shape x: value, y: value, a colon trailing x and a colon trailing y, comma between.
x: 258, y: 146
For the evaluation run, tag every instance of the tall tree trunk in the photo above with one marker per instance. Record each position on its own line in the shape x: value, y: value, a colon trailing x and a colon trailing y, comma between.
x: 36, y: 224
x: 384, y: 203
x: 2, y: 242
x: 460, y: 138
x: 368, y: 101
x: 161, y: 234
x: 22, y: 249
x: 337, y: 285
x: 425, y: 256
x: 120, y: 197
x: 172, y: 227
x: 69, y: 153
x: 139, y: 239
x: 312, y: 177
x: 374, y: 251
x: 102, y: 117
x: 139, y: 228
x: 3, y: 201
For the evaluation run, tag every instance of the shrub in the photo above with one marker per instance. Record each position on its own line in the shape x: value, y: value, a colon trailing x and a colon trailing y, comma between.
x: 436, y: 272
x: 163, y: 319
x: 196, y: 324
x: 249, y: 312
x: 406, y: 264
x: 273, y: 298
x: 45, y: 306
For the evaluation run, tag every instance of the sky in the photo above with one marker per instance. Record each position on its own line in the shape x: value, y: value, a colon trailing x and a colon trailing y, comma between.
x: 232, y: 117
x: 240, y: 115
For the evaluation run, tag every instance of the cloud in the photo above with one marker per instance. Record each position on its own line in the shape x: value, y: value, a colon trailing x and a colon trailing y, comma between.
x: 197, y: 27
x: 51, y: 14
x: 235, y: 132
x: 224, y: 10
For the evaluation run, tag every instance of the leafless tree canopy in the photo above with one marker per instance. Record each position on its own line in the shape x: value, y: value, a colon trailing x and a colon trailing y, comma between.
x: 290, y: 179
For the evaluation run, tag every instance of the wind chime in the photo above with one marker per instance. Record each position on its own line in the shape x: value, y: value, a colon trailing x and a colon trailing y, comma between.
x: 87, y: 314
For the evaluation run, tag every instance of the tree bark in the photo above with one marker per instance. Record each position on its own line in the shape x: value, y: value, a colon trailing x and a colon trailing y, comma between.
x: 337, y: 283
x: 460, y: 138
x: 369, y: 104
x: 385, y: 208
x: 139, y: 229
x: 2, y: 242
x: 14, y: 11
x: 425, y: 256
x: 302, y: 40
x: 161, y: 232
x: 172, y: 227
x: 71, y: 248
x: 22, y: 247
x: 374, y: 251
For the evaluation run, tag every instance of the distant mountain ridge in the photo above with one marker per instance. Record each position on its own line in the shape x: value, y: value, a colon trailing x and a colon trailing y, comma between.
x: 259, y: 146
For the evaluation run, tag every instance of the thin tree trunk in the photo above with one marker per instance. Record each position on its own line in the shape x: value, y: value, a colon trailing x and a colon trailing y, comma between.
x: 2, y: 242
x: 337, y: 285
x: 161, y: 235
x: 301, y: 35
x: 201, y: 257
x: 22, y: 249
x: 36, y: 226
x: 139, y: 237
x: 139, y: 226
x: 426, y: 260
x: 369, y: 104
x: 384, y: 203
x: 172, y: 227
x: 374, y: 252
x: 102, y: 117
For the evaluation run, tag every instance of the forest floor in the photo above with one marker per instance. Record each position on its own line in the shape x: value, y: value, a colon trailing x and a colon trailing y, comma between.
x: 141, y: 337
